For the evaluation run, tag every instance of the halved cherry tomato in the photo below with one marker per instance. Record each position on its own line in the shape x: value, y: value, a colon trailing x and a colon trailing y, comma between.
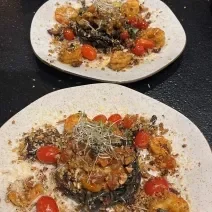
x: 100, y: 118
x: 129, y: 120
x: 133, y: 21
x: 89, y: 52
x: 142, y: 139
x: 46, y: 204
x: 142, y: 24
x: 68, y: 34
x: 138, y: 50
x: 47, y: 154
x: 124, y: 35
x: 147, y: 44
x: 115, y: 118
x: 138, y: 23
x: 156, y: 185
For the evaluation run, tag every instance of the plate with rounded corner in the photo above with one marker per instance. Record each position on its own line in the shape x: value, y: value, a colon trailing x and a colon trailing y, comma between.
x: 195, y: 159
x: 161, y: 17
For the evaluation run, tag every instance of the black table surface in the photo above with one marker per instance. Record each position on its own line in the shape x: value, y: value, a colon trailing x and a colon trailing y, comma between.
x: 185, y: 85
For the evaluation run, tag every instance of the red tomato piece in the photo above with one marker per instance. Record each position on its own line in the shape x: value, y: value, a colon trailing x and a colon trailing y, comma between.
x: 138, y: 23
x: 89, y: 52
x: 100, y: 118
x: 115, y: 118
x: 47, y: 154
x: 129, y: 120
x: 68, y: 34
x: 46, y: 204
x: 124, y: 35
x: 142, y: 24
x: 142, y: 139
x: 138, y: 50
x: 133, y: 21
x: 156, y: 185
x: 147, y: 44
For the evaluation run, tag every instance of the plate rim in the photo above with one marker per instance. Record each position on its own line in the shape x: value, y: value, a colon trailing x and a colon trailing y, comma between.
x: 115, y: 85
x: 107, y: 80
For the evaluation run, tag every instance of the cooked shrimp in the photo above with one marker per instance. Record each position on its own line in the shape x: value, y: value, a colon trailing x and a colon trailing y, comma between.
x: 160, y: 146
x: 119, y: 60
x: 169, y: 202
x: 166, y: 162
x: 23, y: 196
x: 65, y: 14
x: 130, y: 8
x: 155, y: 34
x: 71, y: 121
x: 73, y: 57
x: 17, y: 199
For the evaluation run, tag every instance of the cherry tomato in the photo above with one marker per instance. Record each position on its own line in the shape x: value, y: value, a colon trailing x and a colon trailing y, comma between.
x: 138, y: 23
x: 124, y: 35
x: 47, y: 154
x: 89, y: 52
x: 138, y: 50
x: 156, y: 185
x: 142, y: 24
x: 46, y: 204
x: 133, y: 21
x: 142, y: 139
x: 100, y: 118
x: 68, y: 34
x: 129, y: 120
x: 147, y: 44
x: 115, y: 118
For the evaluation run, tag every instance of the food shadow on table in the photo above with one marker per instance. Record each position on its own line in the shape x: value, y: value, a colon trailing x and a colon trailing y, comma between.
x: 52, y: 75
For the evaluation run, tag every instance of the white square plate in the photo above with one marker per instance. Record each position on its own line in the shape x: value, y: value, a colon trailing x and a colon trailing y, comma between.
x: 195, y: 159
x: 162, y: 17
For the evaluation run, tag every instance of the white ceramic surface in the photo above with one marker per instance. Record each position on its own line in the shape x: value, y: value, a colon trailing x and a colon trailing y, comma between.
x: 162, y: 17
x: 196, y: 158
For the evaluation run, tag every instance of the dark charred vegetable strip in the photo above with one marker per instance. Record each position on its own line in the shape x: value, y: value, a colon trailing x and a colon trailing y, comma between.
x: 95, y: 201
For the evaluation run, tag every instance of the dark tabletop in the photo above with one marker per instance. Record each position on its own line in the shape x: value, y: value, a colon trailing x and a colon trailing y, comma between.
x: 186, y: 85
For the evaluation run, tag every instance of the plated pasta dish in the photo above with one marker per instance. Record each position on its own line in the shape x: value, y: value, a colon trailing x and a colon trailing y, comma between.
x: 115, y: 34
x: 115, y: 163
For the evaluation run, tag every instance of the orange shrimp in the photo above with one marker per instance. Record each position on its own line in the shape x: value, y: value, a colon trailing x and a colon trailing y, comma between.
x: 65, y: 14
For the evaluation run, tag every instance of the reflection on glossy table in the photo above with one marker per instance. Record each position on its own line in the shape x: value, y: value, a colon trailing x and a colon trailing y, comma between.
x: 186, y: 85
